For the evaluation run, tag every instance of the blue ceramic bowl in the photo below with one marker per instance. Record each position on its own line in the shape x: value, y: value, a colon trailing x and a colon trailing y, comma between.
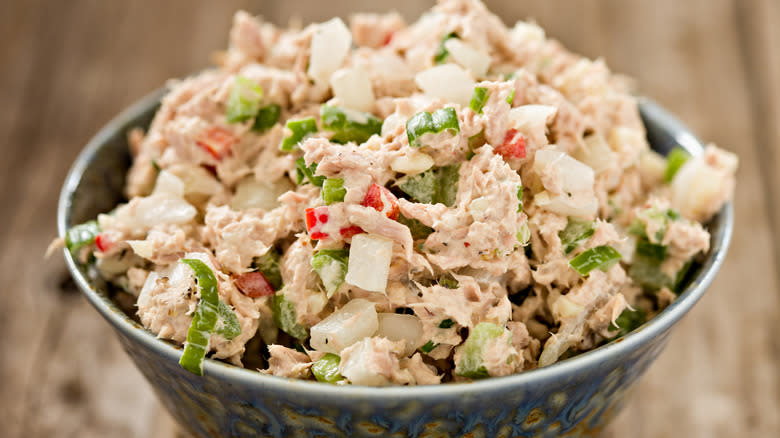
x: 575, y: 397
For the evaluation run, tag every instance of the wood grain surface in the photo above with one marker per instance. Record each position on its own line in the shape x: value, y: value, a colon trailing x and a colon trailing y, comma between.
x: 67, y: 67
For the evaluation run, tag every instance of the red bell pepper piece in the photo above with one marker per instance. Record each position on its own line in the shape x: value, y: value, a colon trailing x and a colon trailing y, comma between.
x: 316, y: 217
x: 382, y: 200
x: 388, y: 38
x: 513, y: 146
x: 217, y: 141
x: 103, y: 242
x: 254, y: 284
x: 350, y: 231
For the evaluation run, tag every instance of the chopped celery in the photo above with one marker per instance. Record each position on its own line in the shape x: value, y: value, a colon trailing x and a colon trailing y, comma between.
x: 646, y: 271
x: 638, y: 227
x: 327, y: 368
x: 576, y: 232
x: 417, y: 228
x: 437, y: 185
x: 349, y: 125
x: 471, y: 359
x: 674, y: 161
x: 651, y: 250
x: 331, y: 266
x: 443, y: 119
x: 441, y: 52
x: 447, y: 189
x: 300, y: 129
x: 417, y: 126
x: 304, y: 172
x: 428, y: 347
x: 601, y: 257
x: 421, y: 187
x: 628, y: 321
x: 448, y: 281
x: 523, y: 235
x: 204, y: 320
x: 333, y: 190
x: 478, y: 99
x: 80, y: 236
x: 268, y: 264
x: 230, y: 327
x: 446, y: 119
x: 244, y: 100
x: 285, y: 317
x: 267, y: 117
x: 511, y: 97
x: 519, y: 198
x: 446, y: 323
x: 679, y: 279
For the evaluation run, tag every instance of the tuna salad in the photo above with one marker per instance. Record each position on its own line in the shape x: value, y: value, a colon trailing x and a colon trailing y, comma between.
x: 388, y: 204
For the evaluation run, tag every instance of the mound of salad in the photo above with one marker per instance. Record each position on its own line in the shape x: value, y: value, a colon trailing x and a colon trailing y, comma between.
x: 392, y: 204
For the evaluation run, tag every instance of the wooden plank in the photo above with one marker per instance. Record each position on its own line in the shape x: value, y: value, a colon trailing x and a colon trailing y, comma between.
x: 718, y: 376
x: 72, y: 66
x: 759, y: 39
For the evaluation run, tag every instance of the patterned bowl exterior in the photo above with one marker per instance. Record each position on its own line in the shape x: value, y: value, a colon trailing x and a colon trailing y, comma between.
x: 576, y: 397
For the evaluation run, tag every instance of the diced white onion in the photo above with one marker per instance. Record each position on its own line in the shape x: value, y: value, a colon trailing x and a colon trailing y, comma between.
x: 329, y: 46
x: 369, y: 262
x: 397, y: 327
x: 316, y: 301
x: 197, y: 180
x: 114, y: 265
x: 342, y: 328
x: 161, y: 209
x: 251, y: 193
x: 652, y: 165
x: 574, y: 176
x: 625, y: 246
x: 413, y: 162
x: 531, y: 116
x: 628, y: 143
x: 352, y: 87
x: 596, y: 153
x: 393, y: 124
x: 447, y: 82
x: 585, y: 207
x: 695, y: 187
x: 144, y: 297
x: 168, y: 184
x: 525, y: 32
x: 143, y: 248
x: 564, y: 308
x: 478, y: 207
x: 468, y: 57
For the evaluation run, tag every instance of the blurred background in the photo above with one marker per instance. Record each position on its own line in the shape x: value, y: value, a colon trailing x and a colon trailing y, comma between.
x: 66, y: 68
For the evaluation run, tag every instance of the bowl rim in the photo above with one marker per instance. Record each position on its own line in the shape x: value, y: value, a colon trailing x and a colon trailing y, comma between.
x: 653, y: 328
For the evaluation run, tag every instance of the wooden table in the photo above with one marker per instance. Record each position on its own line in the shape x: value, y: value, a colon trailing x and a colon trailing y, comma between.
x: 67, y: 67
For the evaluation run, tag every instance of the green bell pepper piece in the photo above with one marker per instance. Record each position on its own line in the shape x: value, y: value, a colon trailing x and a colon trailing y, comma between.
x: 244, y: 100
x: 327, y: 368
x: 471, y: 360
x: 601, y: 257
x: 333, y: 190
x: 267, y: 117
x: 331, y: 266
x: 79, y: 236
x: 478, y: 99
x: 349, y: 125
x: 300, y: 129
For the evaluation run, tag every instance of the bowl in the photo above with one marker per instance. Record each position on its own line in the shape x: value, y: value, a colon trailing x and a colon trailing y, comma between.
x: 575, y: 397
